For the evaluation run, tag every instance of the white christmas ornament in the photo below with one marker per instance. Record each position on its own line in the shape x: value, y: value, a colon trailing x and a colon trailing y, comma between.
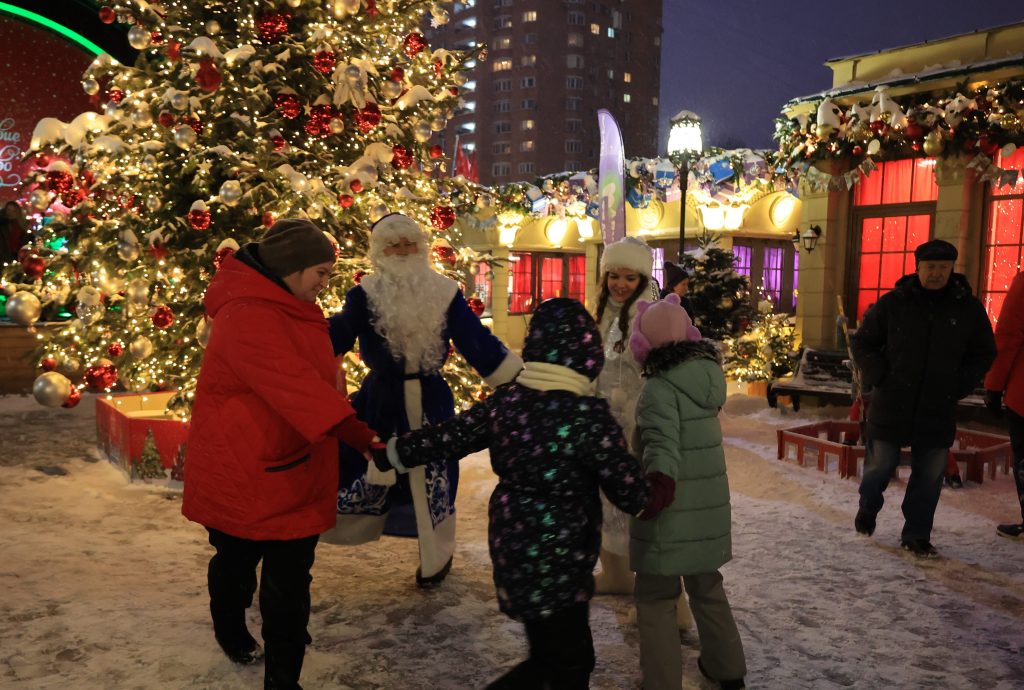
x: 90, y: 86
x: 141, y: 347
x: 24, y: 308
x: 184, y: 136
x: 230, y: 192
x: 51, y: 389
x: 138, y: 37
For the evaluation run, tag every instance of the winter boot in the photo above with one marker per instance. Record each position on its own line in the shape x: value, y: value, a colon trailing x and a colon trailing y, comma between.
x: 435, y: 579
x: 864, y: 523
x: 953, y: 481
x: 234, y: 638
x: 922, y: 548
x: 283, y: 666
x: 732, y: 684
x: 1010, y: 531
x: 519, y: 677
x: 615, y: 576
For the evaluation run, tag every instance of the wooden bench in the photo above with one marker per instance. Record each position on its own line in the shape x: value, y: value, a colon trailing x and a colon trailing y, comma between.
x: 825, y: 374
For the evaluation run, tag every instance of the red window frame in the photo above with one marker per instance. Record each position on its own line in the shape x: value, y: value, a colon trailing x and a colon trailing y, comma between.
x: 1003, y: 243
x: 893, y: 212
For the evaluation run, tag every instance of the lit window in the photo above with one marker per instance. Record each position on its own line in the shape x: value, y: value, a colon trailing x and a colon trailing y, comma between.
x: 1004, y: 235
x: 627, y: 77
x: 526, y: 125
x: 595, y: 29
x: 611, y: 32
x: 528, y: 60
x: 654, y: 100
x: 611, y: 74
x: 530, y: 16
x: 503, y: 43
x: 626, y: 98
x: 501, y: 65
x: 575, y: 40
x: 526, y: 145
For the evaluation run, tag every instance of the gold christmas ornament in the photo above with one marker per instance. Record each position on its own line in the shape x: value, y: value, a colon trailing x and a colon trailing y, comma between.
x: 51, y: 389
x: 184, y: 136
x: 24, y: 308
x: 70, y: 366
x: 142, y: 117
x: 933, y: 143
x: 141, y: 347
x: 230, y: 192
x: 137, y: 292
x: 39, y: 199
x: 824, y: 131
x: 128, y: 251
x: 90, y: 86
x: 138, y: 37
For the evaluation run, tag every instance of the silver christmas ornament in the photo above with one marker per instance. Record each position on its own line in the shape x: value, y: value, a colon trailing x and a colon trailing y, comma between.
x: 184, y: 137
x: 90, y: 313
x: 141, y: 347
x: 70, y: 366
x: 153, y: 203
x: 421, y: 131
x: 51, y: 389
x: 203, y: 331
x: 391, y: 90
x: 179, y: 101
x: 213, y: 27
x: 149, y: 161
x: 138, y: 37
x: 128, y: 251
x: 142, y: 117
x: 24, y: 308
x: 90, y: 86
x: 230, y: 192
x: 137, y: 292
x: 39, y: 199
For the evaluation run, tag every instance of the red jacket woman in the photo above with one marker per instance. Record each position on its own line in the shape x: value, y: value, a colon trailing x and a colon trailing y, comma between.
x: 1007, y: 372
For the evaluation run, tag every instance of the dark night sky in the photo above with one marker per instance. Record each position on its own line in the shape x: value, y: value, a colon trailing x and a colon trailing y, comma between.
x: 736, y: 62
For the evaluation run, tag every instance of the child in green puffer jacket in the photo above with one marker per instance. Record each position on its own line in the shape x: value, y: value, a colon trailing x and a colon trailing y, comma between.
x: 679, y: 435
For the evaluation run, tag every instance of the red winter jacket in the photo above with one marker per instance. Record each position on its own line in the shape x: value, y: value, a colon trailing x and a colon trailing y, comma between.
x: 1007, y: 372
x: 262, y: 456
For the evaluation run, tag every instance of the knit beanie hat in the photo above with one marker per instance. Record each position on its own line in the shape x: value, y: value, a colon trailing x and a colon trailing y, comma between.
x: 563, y: 332
x: 935, y: 250
x: 660, y: 323
x: 630, y: 253
x: 294, y: 244
x: 674, y: 274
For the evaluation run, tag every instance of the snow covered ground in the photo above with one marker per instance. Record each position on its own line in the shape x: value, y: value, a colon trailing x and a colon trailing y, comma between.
x: 102, y: 583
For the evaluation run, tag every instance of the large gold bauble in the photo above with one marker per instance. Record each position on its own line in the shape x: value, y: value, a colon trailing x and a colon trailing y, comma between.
x: 51, y: 389
x: 24, y: 308
x: 933, y: 143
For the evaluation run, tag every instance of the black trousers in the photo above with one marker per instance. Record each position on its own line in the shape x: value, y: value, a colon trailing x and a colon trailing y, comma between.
x: 1016, y: 423
x: 561, y: 654
x: 284, y: 598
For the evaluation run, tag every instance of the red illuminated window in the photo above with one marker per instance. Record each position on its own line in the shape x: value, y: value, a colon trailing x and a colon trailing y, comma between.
x: 483, y: 283
x: 535, y: 277
x: 1004, y: 236
x: 893, y: 211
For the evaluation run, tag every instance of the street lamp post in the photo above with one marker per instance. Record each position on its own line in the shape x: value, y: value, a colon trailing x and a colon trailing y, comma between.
x: 685, y: 144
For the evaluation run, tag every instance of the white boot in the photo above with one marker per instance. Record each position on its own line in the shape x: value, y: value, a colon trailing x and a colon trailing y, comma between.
x: 615, y: 577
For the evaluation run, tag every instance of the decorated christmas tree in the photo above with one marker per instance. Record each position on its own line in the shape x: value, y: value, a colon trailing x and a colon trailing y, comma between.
x: 234, y: 114
x: 765, y: 352
x: 149, y: 465
x: 720, y: 295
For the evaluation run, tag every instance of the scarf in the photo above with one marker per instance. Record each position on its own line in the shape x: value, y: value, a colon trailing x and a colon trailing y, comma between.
x: 543, y: 376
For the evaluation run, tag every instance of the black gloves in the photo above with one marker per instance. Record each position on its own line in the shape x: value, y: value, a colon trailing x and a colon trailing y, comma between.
x: 994, y: 402
x: 379, y: 453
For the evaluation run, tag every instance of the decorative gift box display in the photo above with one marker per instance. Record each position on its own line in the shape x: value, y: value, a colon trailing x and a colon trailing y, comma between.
x: 124, y: 421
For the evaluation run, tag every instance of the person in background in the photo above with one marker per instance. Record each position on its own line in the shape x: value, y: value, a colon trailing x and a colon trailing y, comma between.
x: 691, y: 539
x: 922, y: 347
x: 262, y: 452
x: 677, y: 280
x: 553, y: 445
x: 1004, y: 385
x: 407, y: 317
x: 13, y: 231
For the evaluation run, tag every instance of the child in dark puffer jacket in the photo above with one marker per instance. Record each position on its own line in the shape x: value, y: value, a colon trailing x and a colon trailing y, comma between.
x: 553, y: 445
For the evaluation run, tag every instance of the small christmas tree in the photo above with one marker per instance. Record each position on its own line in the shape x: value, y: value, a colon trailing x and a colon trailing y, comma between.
x: 720, y: 296
x: 149, y: 466
x: 766, y: 352
x: 178, y: 469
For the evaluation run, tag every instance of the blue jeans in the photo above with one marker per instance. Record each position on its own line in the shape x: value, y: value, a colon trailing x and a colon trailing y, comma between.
x: 926, y: 470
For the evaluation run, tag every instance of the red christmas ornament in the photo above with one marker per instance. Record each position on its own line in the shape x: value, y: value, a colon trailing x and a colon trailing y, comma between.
x: 194, y: 122
x: 345, y: 201
x: 355, y: 185
x: 436, y: 151
x: 396, y: 74
x: 115, y: 95
x: 74, y: 397
x: 199, y: 219
x: 324, y: 61
x: 442, y: 217
x: 878, y: 126
x: 73, y: 198
x: 115, y: 349
x: 914, y: 131
x: 158, y: 251
x: 288, y: 105
x: 100, y: 376
x: 156, y: 38
x: 23, y: 254
x: 445, y: 254
x: 315, y: 129
x: 272, y: 27
x: 401, y: 158
x: 357, y: 277
x: 371, y: 8
x: 453, y: 90
x: 48, y: 364
x: 278, y: 142
x: 368, y: 118
x: 207, y: 77
x: 173, y: 50
x: 86, y: 178
x: 107, y: 15
x: 267, y: 219
x: 414, y: 44
x: 59, y: 181
x: 162, y: 316
x: 34, y: 266
x: 858, y: 150
x: 438, y: 67
x: 166, y: 119
x: 220, y: 255
x: 476, y: 305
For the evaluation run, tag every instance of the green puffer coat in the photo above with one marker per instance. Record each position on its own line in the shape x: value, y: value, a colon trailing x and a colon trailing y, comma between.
x: 679, y: 434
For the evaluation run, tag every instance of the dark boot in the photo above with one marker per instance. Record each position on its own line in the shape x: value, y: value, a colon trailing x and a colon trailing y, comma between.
x: 864, y: 523
x: 433, y: 580
x: 283, y: 666
x: 521, y: 677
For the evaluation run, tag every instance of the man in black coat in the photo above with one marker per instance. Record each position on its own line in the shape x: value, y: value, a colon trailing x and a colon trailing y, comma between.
x: 922, y: 347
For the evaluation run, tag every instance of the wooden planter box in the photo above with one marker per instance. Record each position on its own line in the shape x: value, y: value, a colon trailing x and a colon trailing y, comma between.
x: 123, y: 421
x: 832, y: 444
x: 17, y: 365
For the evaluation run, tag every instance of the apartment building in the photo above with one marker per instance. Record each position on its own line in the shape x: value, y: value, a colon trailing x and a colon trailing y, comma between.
x: 531, y: 106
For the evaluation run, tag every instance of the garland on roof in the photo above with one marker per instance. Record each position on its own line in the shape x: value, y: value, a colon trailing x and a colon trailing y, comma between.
x: 984, y: 121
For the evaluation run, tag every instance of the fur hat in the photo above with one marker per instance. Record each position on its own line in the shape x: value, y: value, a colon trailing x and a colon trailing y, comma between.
x: 393, y: 227
x: 563, y: 332
x: 935, y: 250
x: 629, y: 252
x: 294, y: 244
x: 660, y: 323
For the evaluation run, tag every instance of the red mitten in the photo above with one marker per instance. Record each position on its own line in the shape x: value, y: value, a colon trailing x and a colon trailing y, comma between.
x: 663, y: 492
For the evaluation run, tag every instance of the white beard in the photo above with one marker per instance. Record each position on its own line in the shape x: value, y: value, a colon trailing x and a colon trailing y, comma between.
x: 409, y: 305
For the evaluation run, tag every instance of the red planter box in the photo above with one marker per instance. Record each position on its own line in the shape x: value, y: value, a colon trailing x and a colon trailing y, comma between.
x: 123, y: 421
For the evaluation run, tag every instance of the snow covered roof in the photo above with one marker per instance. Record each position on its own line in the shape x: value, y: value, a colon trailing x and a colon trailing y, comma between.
x: 930, y: 41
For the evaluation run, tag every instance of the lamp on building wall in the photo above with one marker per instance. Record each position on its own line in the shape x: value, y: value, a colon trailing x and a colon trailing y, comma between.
x: 685, y: 144
x: 585, y: 228
x: 555, y: 231
x: 809, y: 238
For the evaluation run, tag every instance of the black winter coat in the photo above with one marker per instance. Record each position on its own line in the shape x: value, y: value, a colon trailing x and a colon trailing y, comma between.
x: 920, y: 351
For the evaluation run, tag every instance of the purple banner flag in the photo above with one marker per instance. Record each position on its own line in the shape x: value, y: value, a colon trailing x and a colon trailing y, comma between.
x: 613, y: 210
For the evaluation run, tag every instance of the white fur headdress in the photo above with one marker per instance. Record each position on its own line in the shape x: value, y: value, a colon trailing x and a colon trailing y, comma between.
x: 393, y: 227
x: 631, y: 253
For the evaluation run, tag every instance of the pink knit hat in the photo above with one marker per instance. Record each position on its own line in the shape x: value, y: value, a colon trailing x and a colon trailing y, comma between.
x: 660, y: 323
